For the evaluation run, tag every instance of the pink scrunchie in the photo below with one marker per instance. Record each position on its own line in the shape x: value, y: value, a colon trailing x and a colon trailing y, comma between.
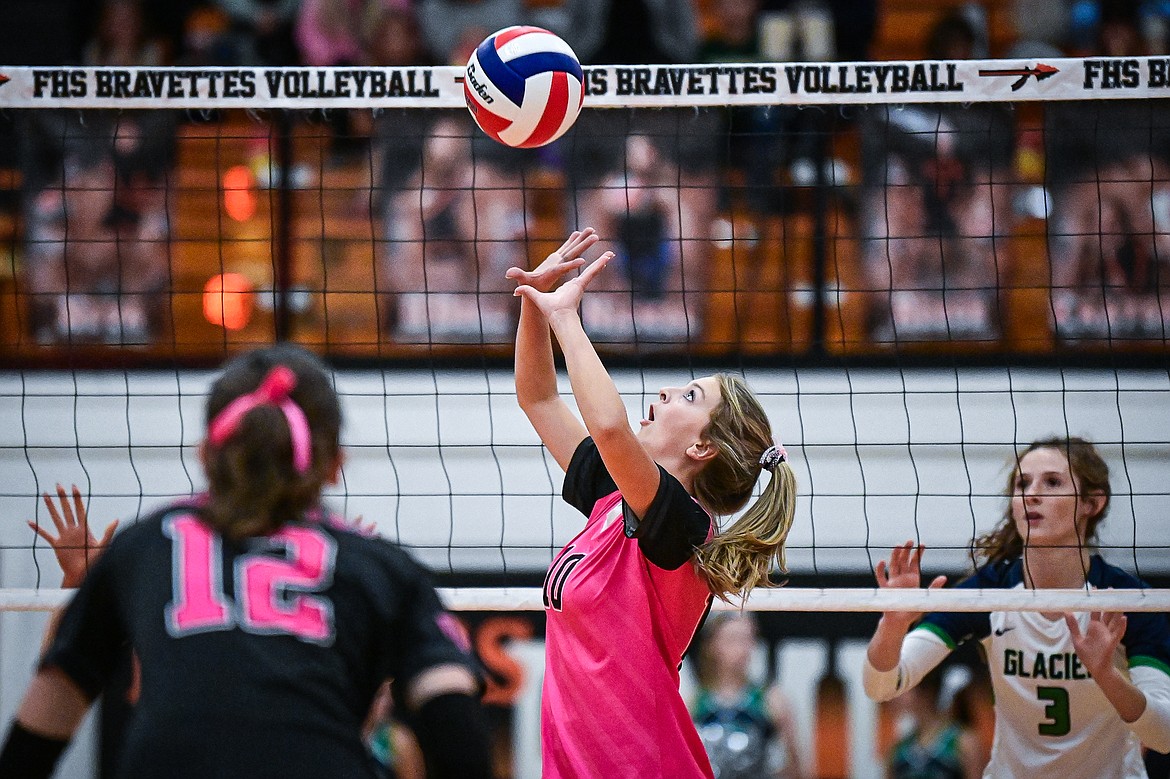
x: 274, y: 390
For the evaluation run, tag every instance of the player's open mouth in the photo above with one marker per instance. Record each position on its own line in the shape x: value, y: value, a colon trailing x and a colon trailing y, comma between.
x: 650, y: 415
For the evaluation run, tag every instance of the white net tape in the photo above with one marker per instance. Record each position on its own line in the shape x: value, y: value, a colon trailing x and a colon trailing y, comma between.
x: 783, y: 599
x: 607, y: 86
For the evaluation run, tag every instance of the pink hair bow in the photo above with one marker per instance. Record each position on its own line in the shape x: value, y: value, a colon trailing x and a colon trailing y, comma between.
x: 274, y: 390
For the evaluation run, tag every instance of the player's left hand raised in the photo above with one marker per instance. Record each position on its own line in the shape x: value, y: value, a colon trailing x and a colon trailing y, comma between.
x: 568, y: 296
x: 75, y: 546
x: 545, y: 276
x: 1097, y: 645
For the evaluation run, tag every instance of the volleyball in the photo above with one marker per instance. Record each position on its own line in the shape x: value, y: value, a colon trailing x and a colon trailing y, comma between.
x: 524, y: 86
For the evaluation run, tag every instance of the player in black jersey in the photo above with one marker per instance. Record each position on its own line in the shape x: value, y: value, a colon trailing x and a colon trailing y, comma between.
x: 263, y: 626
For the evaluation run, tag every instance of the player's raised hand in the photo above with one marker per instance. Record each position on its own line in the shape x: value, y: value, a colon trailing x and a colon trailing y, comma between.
x: 567, y: 296
x: 545, y: 276
x: 1097, y: 645
x: 363, y: 527
x: 75, y: 546
x: 903, y: 571
x: 904, y: 568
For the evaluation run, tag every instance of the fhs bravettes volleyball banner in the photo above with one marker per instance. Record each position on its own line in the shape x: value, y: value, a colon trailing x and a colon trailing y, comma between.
x: 610, y: 86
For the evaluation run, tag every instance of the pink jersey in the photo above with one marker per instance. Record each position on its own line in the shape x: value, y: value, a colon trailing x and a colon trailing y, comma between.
x: 618, y: 626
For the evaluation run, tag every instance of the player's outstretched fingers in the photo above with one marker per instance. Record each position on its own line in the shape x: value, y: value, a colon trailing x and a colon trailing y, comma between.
x: 916, y: 556
x: 79, y: 507
x: 40, y: 531
x: 900, y: 559
x: 573, y: 236
x: 545, y: 276
x: 54, y: 514
x: 595, y: 268
x: 66, y: 509
x: 578, y: 242
x: 1115, y: 622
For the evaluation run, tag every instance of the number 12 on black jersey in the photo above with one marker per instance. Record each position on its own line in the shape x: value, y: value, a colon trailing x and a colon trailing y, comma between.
x: 273, y: 595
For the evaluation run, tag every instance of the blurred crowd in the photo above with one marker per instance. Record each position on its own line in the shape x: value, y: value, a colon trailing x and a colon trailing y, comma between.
x: 934, y: 192
x: 945, y: 188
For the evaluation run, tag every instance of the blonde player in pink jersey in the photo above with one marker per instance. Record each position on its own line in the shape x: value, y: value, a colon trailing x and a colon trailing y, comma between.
x: 626, y: 596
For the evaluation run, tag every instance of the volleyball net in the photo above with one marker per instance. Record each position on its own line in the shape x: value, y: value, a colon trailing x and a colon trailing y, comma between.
x: 919, y: 267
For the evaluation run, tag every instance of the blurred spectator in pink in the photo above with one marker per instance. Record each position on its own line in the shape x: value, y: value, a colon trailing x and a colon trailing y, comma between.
x: 338, y: 33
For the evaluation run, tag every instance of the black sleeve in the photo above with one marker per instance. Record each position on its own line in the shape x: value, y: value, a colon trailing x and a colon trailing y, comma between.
x: 29, y: 755
x: 91, y: 636
x: 454, y: 737
x: 673, y: 526
x: 586, y: 479
x: 420, y: 634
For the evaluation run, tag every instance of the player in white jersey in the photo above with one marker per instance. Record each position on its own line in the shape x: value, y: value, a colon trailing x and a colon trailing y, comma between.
x: 1076, y: 695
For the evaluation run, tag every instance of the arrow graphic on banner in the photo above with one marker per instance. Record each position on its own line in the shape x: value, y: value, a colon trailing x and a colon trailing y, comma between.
x: 4, y: 79
x: 1041, y: 72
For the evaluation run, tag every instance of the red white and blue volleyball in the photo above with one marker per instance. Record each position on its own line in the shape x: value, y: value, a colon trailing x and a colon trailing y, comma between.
x: 524, y: 86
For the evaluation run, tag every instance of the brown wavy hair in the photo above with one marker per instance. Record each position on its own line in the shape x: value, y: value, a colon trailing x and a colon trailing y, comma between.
x: 252, y: 484
x: 743, y: 556
x: 1089, y: 470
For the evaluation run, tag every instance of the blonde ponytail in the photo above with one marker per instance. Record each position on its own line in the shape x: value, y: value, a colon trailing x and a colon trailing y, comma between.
x: 744, y: 555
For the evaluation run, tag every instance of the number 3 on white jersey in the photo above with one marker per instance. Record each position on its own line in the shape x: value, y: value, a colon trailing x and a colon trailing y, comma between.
x: 275, y: 595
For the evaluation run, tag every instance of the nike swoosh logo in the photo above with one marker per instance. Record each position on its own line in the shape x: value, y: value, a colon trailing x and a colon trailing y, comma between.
x: 1001, y: 631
